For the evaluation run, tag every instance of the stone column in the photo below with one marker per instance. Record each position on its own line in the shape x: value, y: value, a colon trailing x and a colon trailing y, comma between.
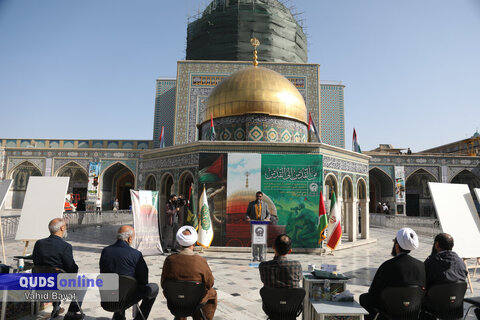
x: 352, y: 220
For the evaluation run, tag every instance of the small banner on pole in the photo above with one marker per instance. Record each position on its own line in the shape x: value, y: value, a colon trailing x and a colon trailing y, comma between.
x: 145, y: 222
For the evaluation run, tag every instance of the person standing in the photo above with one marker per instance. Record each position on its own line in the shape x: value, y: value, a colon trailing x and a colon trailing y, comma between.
x: 171, y: 223
x: 258, y: 210
x: 116, y: 206
x: 122, y: 259
x: 98, y: 206
x: 281, y: 272
x: 186, y: 265
x: 401, y: 270
x: 55, y: 252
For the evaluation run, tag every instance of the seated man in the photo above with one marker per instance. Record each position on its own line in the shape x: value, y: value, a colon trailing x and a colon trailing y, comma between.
x: 401, y: 270
x: 56, y: 252
x: 443, y: 265
x: 124, y: 260
x: 281, y: 272
x: 186, y: 265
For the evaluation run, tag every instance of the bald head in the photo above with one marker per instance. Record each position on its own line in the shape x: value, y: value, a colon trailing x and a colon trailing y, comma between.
x: 444, y: 241
x: 56, y: 226
x: 126, y: 233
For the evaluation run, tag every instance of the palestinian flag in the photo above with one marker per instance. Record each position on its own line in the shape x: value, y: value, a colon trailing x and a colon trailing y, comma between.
x: 322, y: 219
x: 335, y: 225
x: 205, y: 227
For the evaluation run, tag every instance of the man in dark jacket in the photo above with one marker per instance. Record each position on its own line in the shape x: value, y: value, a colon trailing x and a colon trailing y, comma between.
x: 401, y: 270
x: 442, y: 266
x: 124, y: 260
x: 56, y: 252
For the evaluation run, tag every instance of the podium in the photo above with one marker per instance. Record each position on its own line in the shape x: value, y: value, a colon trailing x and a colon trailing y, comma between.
x: 258, y: 231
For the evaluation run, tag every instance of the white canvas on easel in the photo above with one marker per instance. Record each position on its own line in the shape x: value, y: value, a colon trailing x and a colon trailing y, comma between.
x: 477, y: 193
x: 4, y: 187
x: 44, y: 201
x: 458, y: 216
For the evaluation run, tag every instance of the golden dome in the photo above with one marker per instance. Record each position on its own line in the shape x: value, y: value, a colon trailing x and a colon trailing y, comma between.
x: 256, y: 90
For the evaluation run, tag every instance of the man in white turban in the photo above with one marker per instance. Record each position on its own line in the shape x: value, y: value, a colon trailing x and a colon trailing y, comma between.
x: 186, y: 265
x: 401, y: 270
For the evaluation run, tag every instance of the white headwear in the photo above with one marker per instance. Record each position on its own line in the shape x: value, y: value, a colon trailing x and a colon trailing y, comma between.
x: 186, y: 240
x: 407, y: 239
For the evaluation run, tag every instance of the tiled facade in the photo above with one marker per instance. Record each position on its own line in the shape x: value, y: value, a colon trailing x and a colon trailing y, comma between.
x: 332, y: 114
x: 164, y: 111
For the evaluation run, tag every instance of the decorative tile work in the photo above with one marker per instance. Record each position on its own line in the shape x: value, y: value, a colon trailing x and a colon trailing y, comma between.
x: 131, y: 164
x: 164, y: 111
x: 58, y: 163
x: 2, y: 163
x: 387, y: 169
x: 256, y: 128
x: 39, y: 163
x: 332, y: 114
x: 188, y: 107
x: 338, y: 164
x: 170, y: 162
x: 435, y: 171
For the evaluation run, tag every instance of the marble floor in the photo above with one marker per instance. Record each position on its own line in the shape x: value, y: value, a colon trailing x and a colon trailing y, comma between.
x: 236, y: 282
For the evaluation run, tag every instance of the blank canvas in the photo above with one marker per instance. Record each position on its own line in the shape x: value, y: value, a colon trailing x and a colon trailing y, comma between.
x: 458, y: 216
x: 44, y: 201
x: 477, y: 193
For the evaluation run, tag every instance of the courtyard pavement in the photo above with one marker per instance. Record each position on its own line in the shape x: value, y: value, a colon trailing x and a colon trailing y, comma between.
x: 236, y: 282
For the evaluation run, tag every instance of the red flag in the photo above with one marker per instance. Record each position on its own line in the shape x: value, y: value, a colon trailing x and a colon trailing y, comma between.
x: 162, y: 138
x: 322, y: 219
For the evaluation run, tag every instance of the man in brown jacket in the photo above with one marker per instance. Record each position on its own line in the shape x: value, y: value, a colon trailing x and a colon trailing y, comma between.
x: 186, y: 265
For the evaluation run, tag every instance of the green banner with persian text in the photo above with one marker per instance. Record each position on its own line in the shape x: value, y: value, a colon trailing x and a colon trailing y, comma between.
x: 293, y: 183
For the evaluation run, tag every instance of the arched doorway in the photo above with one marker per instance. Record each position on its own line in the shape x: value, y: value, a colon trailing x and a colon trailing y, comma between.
x: 363, y: 214
x: 469, y: 178
x: 330, y: 186
x: 419, y: 200
x: 78, y: 181
x: 116, y: 182
x: 381, y: 188
x: 20, y: 176
x: 151, y: 183
x: 348, y: 215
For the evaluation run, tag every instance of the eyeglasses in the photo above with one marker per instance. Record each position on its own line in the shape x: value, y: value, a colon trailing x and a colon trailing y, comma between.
x: 259, y: 196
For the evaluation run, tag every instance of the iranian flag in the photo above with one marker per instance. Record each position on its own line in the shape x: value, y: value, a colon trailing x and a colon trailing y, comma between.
x: 205, y: 228
x: 335, y: 227
x: 322, y: 219
x: 355, y: 144
x: 212, y: 129
x: 162, y: 138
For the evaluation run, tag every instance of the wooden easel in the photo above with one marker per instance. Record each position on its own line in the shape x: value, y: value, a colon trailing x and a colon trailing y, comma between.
x: 469, y: 280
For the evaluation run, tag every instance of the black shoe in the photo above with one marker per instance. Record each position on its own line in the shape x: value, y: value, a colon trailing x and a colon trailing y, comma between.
x: 73, y: 316
x: 57, y: 310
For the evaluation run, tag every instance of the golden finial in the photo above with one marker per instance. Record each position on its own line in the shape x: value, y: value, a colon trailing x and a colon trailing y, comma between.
x: 255, y: 43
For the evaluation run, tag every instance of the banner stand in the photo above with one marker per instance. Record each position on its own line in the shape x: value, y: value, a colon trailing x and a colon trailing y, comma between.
x: 258, y: 231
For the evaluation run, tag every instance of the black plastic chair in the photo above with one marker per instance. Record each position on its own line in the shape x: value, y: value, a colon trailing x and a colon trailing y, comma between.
x: 127, y: 290
x: 49, y: 269
x: 401, y: 302
x: 282, y: 303
x: 184, y: 297
x: 445, y: 301
x: 474, y: 302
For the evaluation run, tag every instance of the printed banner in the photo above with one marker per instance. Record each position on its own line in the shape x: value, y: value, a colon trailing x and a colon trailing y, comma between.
x: 145, y: 221
x: 93, y: 172
x: 293, y: 183
x: 400, y: 184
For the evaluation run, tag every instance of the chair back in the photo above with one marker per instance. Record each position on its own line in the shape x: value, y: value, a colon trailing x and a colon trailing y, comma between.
x: 282, y: 303
x: 183, y: 297
x: 46, y: 269
x: 402, y: 302
x: 127, y: 289
x: 446, y: 300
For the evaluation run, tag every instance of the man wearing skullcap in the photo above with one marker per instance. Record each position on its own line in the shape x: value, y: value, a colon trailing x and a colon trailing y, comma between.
x: 401, y: 270
x: 186, y: 265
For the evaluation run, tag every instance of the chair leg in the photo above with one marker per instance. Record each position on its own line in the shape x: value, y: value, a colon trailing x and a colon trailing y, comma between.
x: 202, y: 314
x: 137, y: 309
x: 376, y: 316
x: 468, y: 310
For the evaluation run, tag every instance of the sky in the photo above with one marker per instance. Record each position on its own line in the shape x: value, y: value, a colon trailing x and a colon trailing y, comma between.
x: 87, y: 69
